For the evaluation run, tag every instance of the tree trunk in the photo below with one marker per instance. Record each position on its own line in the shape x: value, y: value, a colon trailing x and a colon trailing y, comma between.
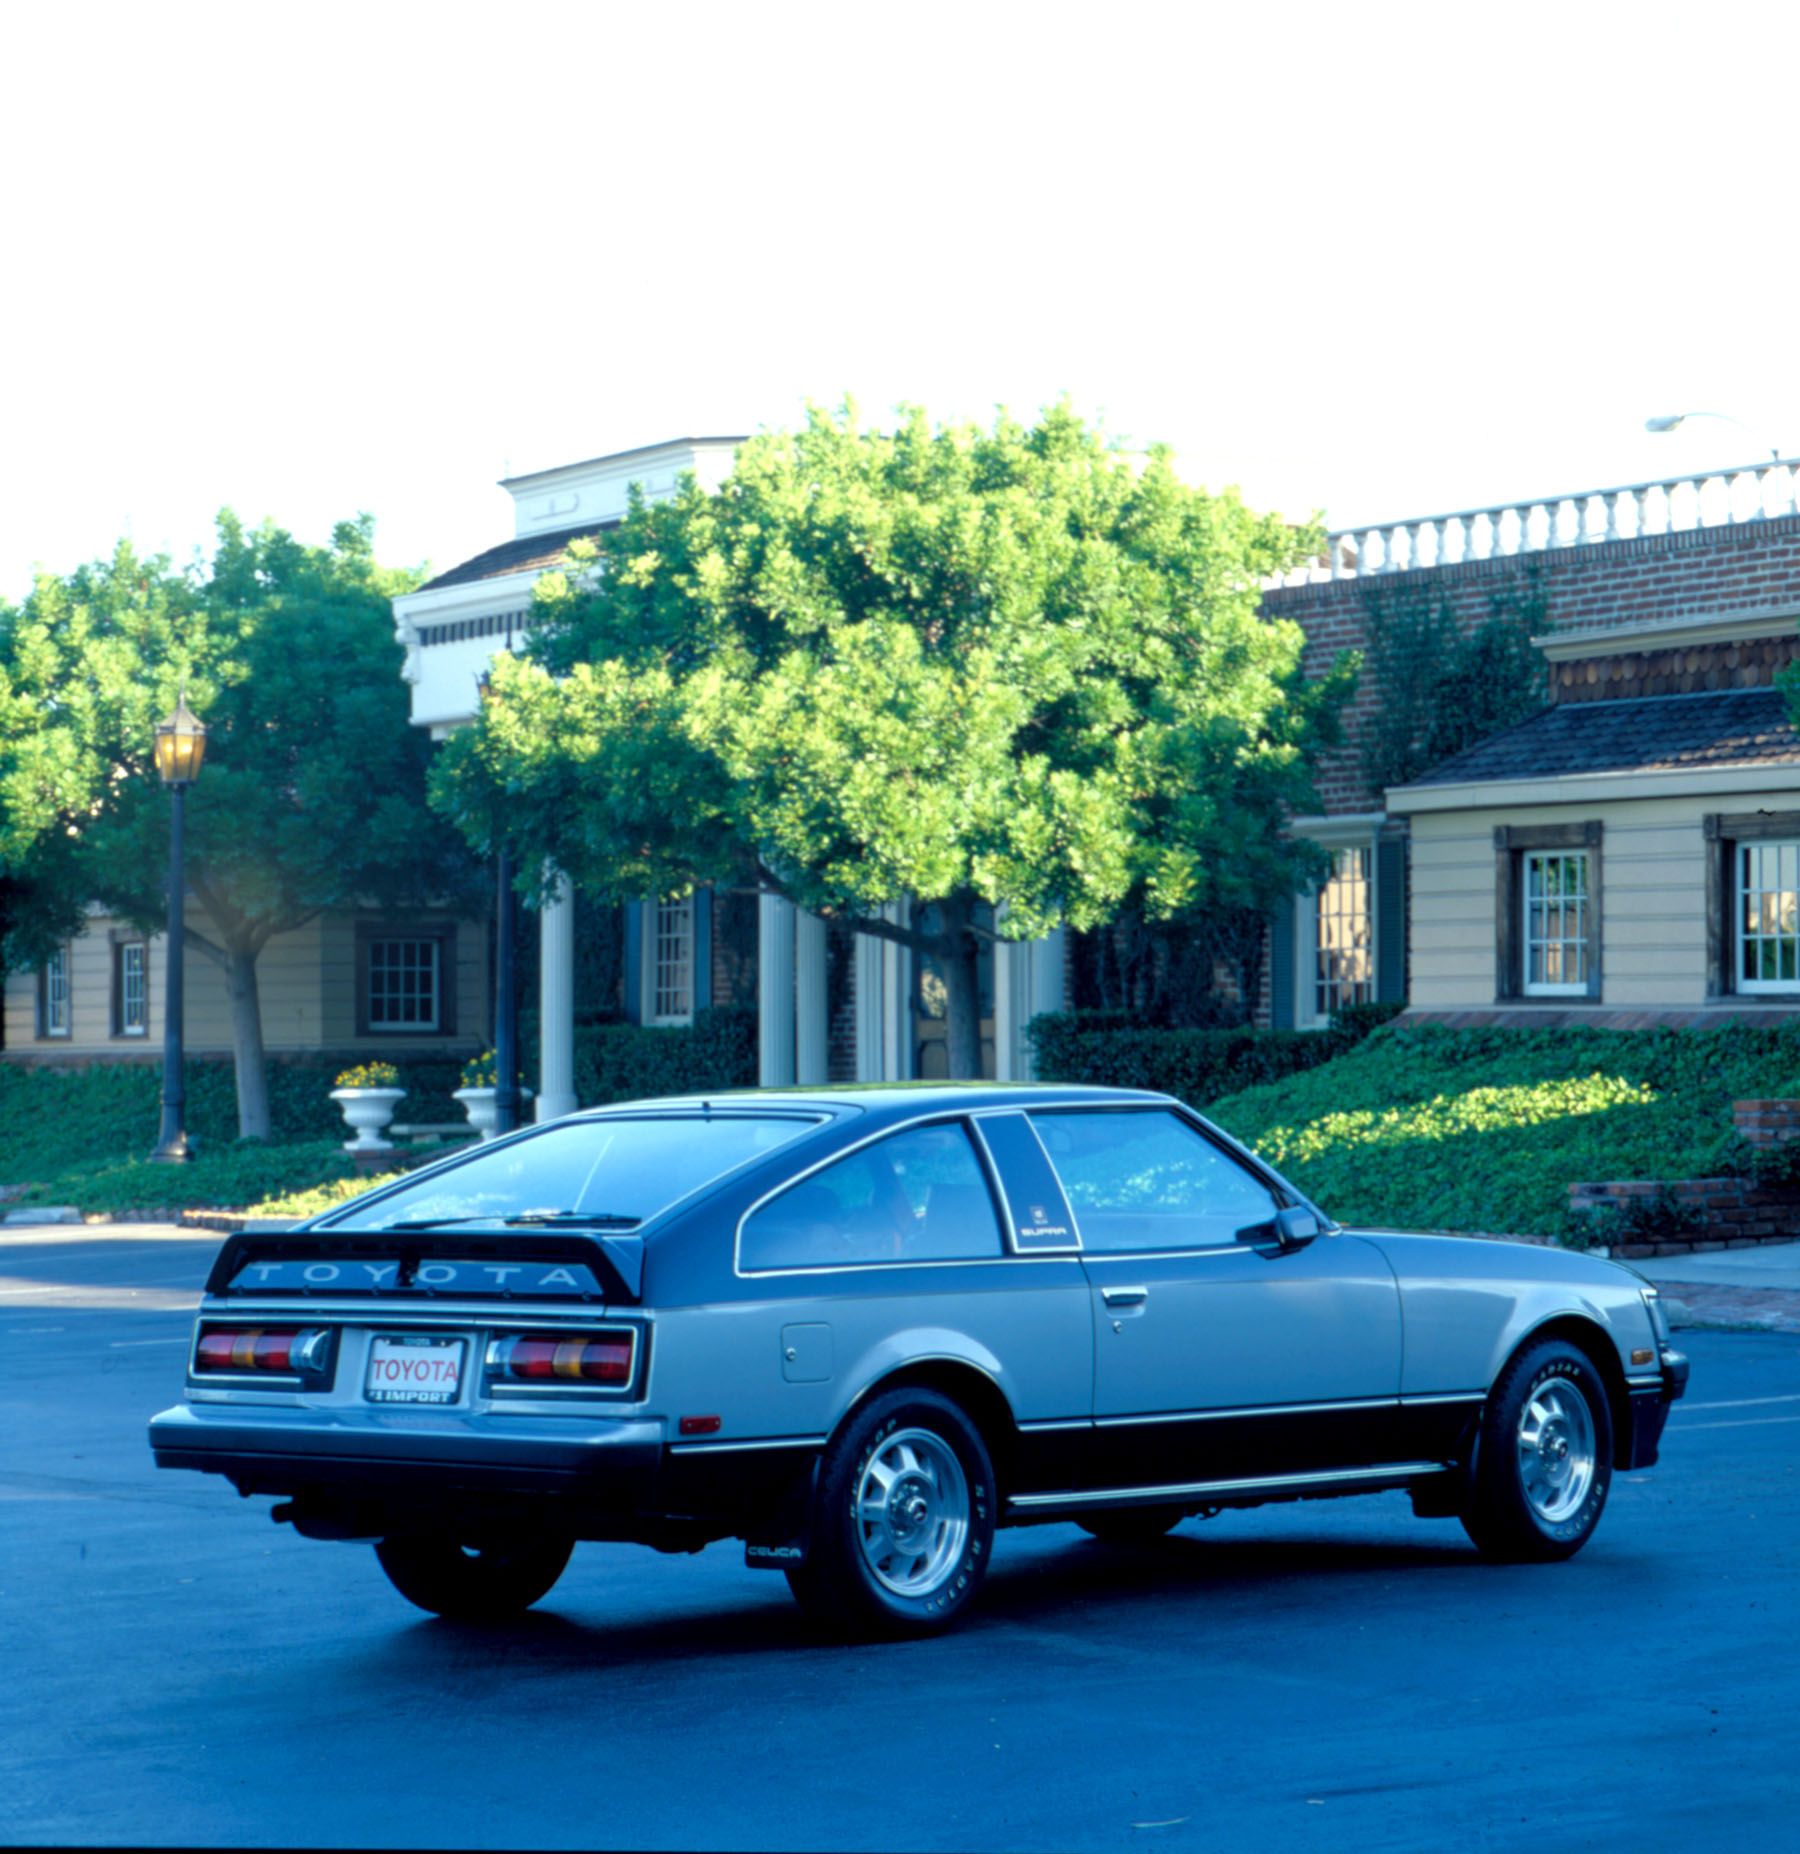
x: 251, y: 1064
x: 962, y: 983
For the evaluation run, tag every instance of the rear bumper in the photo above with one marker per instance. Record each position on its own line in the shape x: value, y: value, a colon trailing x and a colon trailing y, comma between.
x: 611, y: 1461
x: 1650, y: 1409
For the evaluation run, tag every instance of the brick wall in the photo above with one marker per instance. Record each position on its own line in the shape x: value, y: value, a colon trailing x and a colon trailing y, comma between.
x: 734, y: 947
x: 1766, y: 1123
x: 1715, y: 1213
x: 1733, y: 569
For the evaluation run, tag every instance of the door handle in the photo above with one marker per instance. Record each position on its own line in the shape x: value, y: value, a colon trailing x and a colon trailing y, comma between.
x: 1124, y: 1296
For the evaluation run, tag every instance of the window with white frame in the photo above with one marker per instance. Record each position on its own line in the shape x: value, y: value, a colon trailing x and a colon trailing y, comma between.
x: 55, y: 1013
x: 1555, y: 930
x: 1547, y: 911
x: 1768, y: 915
x: 131, y: 988
x: 669, y: 961
x: 404, y: 984
x: 1343, y: 938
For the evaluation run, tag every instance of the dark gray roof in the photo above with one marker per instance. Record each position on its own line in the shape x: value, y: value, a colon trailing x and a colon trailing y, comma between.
x: 1658, y: 733
x: 533, y: 550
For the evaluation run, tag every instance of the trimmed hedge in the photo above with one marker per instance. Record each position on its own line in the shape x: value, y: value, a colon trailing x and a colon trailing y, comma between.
x: 1109, y: 1049
x: 628, y: 1062
x: 220, y: 1178
x: 54, y: 1117
x: 83, y: 1135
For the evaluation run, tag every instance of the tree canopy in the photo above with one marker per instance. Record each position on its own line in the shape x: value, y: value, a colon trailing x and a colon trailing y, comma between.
x: 312, y: 796
x: 1006, y: 669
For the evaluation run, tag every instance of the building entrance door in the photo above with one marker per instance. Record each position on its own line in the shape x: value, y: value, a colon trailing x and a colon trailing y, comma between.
x: 930, y: 1012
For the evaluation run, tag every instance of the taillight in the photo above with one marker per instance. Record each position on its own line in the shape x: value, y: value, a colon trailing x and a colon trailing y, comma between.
x: 583, y: 1358
x: 247, y: 1350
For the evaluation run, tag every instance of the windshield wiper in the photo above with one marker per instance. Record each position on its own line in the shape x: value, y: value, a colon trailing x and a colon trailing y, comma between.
x: 612, y: 1219
x: 427, y: 1223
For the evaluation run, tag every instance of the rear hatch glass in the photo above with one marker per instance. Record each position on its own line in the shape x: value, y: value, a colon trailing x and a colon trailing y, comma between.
x: 612, y: 1173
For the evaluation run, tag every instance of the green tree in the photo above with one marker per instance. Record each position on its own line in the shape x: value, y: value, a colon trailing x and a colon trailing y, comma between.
x: 312, y: 797
x: 1010, y: 667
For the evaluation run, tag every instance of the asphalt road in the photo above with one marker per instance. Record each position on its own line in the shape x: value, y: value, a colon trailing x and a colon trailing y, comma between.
x: 178, y: 1670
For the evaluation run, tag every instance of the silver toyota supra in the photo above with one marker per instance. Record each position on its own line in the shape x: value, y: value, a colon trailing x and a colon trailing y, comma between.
x: 861, y: 1330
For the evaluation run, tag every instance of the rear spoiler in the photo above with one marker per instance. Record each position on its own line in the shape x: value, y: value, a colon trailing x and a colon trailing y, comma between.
x: 560, y: 1267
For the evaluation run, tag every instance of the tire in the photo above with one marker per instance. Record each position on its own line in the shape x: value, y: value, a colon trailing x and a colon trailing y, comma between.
x: 903, y: 1524
x: 1544, y: 1462
x: 474, y: 1583
x: 1130, y: 1525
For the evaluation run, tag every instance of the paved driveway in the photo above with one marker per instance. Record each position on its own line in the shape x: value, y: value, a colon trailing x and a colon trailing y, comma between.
x: 1333, y: 1676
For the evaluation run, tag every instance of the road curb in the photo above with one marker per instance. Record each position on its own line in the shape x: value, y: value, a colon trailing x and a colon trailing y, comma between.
x: 234, y: 1223
x: 1770, y: 1310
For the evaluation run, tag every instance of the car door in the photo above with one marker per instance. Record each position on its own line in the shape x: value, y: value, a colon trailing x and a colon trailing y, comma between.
x: 1220, y: 1353
x: 890, y: 1255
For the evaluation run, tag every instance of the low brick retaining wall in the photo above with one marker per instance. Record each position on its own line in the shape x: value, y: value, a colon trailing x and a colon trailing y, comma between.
x: 1766, y: 1123
x: 1714, y: 1213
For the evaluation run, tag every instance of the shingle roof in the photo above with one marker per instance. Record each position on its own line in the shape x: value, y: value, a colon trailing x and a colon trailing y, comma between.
x: 520, y: 556
x: 1658, y: 733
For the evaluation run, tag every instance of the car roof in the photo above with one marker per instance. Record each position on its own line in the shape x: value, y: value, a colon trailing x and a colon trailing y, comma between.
x: 895, y: 1100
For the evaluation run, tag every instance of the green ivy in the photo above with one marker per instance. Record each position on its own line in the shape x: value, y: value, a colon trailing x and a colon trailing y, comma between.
x: 1445, y: 684
x: 1427, y: 1127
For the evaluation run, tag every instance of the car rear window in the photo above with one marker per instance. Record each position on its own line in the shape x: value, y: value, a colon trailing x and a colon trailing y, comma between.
x: 619, y: 1170
x: 917, y: 1196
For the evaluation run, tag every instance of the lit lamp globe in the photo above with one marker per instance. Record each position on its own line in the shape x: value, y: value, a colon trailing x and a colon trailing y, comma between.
x: 180, y: 745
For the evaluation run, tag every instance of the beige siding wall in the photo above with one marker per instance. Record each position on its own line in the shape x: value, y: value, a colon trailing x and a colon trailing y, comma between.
x: 306, y: 981
x: 465, y: 979
x: 90, y: 998
x: 1653, y: 882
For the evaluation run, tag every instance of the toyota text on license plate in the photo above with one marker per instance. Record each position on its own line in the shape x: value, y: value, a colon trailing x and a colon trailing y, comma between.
x: 414, y: 1368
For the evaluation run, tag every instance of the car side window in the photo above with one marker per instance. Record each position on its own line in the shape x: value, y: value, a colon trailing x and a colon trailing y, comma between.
x: 917, y: 1196
x: 1145, y: 1179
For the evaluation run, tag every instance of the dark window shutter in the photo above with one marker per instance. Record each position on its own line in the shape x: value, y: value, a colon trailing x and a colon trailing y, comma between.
x: 1281, y: 968
x: 634, y: 961
x: 703, y: 913
x: 1390, y: 920
x: 1718, y: 906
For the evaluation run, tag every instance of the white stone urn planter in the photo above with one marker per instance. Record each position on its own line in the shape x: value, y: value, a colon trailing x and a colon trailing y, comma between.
x: 367, y: 1112
x: 478, y: 1104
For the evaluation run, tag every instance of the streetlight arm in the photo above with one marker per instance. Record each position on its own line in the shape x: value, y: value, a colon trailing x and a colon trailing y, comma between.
x: 1670, y: 421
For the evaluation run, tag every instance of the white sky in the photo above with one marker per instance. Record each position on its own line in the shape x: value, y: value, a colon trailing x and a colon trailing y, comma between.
x: 1378, y: 260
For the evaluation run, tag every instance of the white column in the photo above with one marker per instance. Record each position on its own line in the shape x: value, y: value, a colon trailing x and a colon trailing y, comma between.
x: 812, y: 1007
x: 775, y: 992
x: 1048, y: 956
x: 1008, y: 956
x: 556, y: 1004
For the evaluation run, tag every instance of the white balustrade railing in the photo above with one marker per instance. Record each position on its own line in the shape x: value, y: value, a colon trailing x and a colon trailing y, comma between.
x: 1711, y: 498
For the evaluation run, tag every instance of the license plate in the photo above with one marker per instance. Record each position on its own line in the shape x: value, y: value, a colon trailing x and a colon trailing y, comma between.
x: 414, y: 1368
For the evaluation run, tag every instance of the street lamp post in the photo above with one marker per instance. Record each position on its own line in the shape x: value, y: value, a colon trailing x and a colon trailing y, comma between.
x: 180, y: 747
